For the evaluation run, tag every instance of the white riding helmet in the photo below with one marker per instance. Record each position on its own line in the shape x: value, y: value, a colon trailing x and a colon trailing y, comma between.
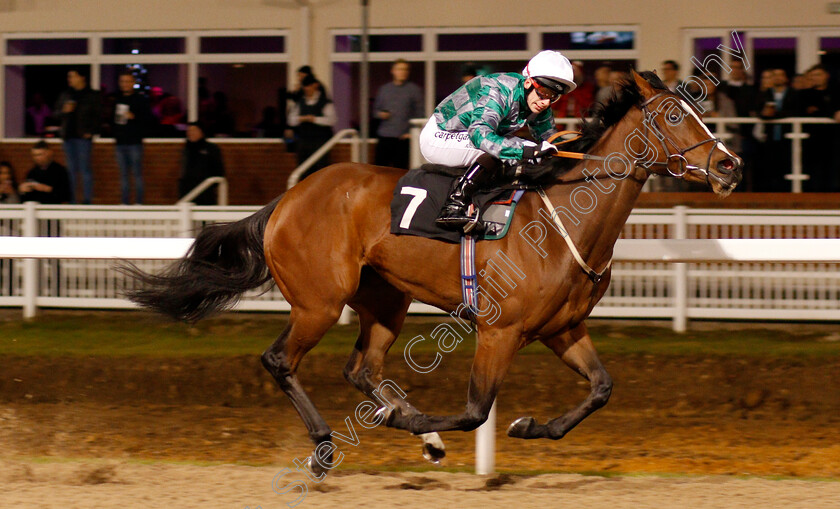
x: 551, y: 69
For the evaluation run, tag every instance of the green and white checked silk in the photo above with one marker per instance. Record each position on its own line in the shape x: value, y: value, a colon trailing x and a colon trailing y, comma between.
x: 490, y: 109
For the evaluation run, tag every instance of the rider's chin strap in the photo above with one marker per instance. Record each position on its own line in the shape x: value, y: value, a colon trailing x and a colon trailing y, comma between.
x: 594, y: 276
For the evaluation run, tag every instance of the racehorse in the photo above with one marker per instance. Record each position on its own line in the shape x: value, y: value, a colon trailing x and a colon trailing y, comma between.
x: 326, y: 243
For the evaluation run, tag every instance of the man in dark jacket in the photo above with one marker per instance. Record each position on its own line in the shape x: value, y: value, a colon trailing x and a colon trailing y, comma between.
x: 779, y: 101
x: 47, y: 181
x: 132, y: 118
x: 80, y: 110
x: 201, y: 160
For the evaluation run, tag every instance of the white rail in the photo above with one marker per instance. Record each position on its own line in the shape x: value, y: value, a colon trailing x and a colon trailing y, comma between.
x: 326, y: 147
x: 205, y: 184
x: 768, y: 288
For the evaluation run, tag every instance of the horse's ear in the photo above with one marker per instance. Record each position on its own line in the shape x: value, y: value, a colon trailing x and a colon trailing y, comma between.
x: 644, y: 86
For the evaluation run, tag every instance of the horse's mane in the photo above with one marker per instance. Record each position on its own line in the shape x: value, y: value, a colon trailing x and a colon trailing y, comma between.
x: 603, y: 115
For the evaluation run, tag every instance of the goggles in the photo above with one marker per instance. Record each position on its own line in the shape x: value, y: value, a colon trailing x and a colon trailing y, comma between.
x: 549, y: 91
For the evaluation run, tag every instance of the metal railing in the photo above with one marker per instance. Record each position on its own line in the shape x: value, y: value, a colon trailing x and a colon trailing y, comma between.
x: 222, y: 198
x: 797, y: 134
x: 321, y: 152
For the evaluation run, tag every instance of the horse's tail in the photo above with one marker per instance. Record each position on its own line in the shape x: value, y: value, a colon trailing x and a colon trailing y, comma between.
x: 225, y: 261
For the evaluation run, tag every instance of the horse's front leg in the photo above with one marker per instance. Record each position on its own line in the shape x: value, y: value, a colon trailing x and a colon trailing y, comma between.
x: 494, y: 353
x: 577, y: 351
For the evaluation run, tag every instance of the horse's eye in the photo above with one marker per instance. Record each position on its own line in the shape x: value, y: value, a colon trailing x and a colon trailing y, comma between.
x: 674, y: 118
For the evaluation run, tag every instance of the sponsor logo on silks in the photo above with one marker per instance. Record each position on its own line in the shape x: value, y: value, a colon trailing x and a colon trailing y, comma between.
x: 459, y: 136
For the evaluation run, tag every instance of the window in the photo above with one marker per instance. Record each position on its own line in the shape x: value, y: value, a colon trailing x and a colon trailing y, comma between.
x: 35, y: 47
x: 143, y: 45
x: 589, y: 40
x: 482, y: 42
x: 379, y: 43
x: 240, y: 44
x: 244, y: 69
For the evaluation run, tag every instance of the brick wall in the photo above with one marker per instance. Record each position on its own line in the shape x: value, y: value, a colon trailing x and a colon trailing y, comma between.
x: 256, y: 172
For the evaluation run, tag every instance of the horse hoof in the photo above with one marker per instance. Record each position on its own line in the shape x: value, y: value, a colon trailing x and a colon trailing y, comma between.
x: 522, y: 428
x: 316, y: 467
x: 433, y: 448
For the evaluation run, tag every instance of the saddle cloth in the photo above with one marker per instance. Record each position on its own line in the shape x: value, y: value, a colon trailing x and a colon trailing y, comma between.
x: 420, y: 195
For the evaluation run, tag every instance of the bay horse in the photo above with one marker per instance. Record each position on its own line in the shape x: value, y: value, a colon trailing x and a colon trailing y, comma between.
x: 326, y: 244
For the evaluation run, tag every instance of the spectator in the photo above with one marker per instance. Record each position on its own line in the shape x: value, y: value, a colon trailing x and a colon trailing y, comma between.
x: 292, y: 97
x: 132, y: 120
x: 47, y: 182
x: 8, y: 184
x: 716, y: 102
x: 617, y: 78
x: 468, y: 72
x: 312, y: 118
x: 738, y: 88
x: 603, y: 83
x: 396, y: 104
x: 224, y: 125
x: 268, y: 127
x: 821, y: 100
x: 170, y: 111
x: 80, y: 109
x: 800, y: 82
x: 576, y: 103
x: 670, y: 75
x: 779, y: 101
x: 201, y: 160
x: 296, y: 93
x: 38, y: 115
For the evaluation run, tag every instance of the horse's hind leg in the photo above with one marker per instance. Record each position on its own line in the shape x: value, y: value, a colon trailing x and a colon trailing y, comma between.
x: 494, y: 353
x: 282, y: 358
x: 577, y: 351
x: 382, y: 309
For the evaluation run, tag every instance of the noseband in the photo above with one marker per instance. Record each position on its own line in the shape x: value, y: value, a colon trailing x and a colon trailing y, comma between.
x: 677, y: 157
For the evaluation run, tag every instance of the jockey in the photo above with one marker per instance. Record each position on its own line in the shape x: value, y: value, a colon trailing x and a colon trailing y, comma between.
x: 474, y: 127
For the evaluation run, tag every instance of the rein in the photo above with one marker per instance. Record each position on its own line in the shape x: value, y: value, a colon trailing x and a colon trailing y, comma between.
x: 677, y: 157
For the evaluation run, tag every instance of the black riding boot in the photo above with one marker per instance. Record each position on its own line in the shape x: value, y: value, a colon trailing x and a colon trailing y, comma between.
x: 454, y: 215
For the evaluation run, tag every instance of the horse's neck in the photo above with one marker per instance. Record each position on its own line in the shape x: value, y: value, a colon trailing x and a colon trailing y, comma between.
x: 599, y: 226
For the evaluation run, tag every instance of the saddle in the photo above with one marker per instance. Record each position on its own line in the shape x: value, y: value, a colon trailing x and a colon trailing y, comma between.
x: 420, y: 194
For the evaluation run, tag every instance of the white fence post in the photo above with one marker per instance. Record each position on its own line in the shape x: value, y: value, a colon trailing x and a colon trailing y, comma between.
x: 680, y: 272
x: 485, y: 444
x: 415, y: 158
x: 796, y: 176
x: 30, y: 265
x: 185, y: 224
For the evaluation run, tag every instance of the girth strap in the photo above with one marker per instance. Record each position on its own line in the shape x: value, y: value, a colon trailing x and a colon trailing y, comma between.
x: 590, y: 272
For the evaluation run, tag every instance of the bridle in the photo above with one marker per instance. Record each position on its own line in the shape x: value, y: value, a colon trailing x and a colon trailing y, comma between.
x: 677, y: 157
x: 675, y: 163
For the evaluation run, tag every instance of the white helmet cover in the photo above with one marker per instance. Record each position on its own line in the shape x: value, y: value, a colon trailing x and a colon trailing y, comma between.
x: 552, y: 65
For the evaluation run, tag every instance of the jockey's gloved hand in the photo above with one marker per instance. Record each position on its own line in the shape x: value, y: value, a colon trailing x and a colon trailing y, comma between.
x: 533, y: 153
x: 547, y: 149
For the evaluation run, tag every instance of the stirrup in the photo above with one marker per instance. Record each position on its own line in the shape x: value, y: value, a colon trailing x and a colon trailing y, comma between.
x: 473, y: 224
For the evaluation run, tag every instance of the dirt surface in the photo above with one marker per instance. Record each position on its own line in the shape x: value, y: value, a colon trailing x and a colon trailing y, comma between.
x: 668, y: 415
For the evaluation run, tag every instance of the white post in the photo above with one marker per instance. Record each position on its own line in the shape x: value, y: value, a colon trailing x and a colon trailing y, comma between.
x: 223, y: 192
x: 416, y: 159
x: 485, y: 444
x: 354, y: 149
x: 796, y: 136
x: 680, y: 273
x: 346, y: 317
x: 30, y: 265
x: 185, y: 219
